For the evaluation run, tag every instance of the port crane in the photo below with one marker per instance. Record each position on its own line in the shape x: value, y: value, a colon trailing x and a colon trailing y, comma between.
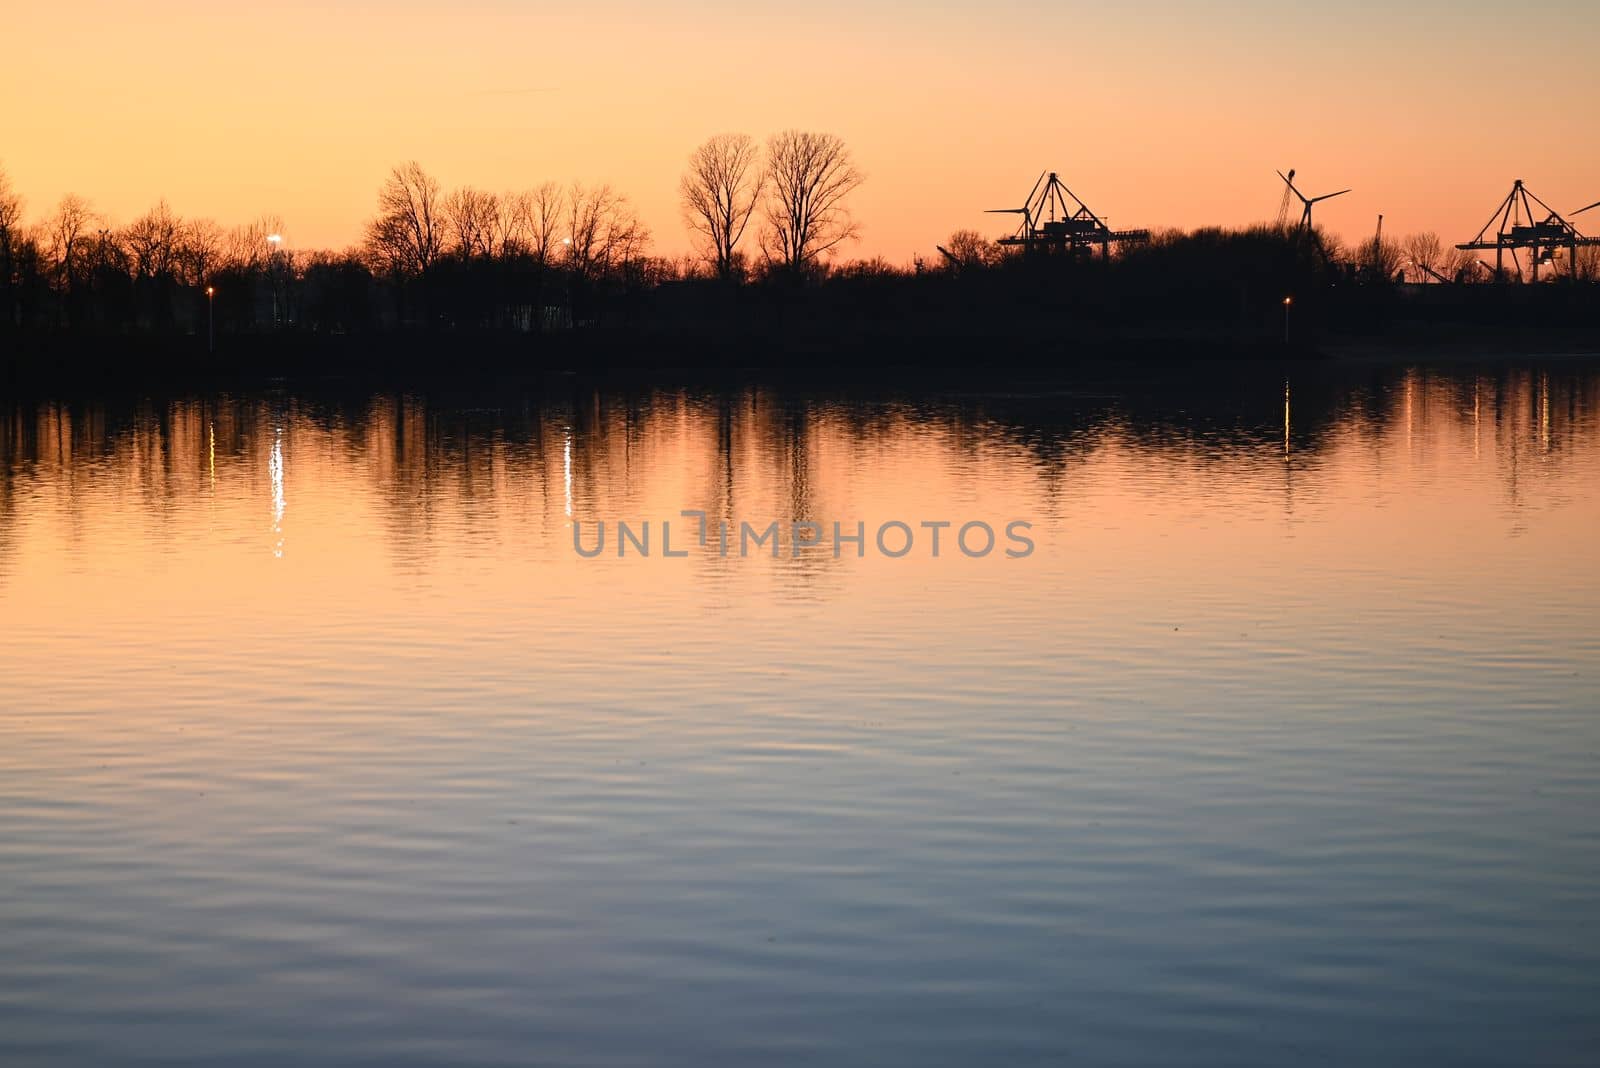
x: 1056, y: 222
x: 1517, y: 226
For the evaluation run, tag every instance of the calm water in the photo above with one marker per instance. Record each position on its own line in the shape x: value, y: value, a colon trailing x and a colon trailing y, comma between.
x: 319, y: 743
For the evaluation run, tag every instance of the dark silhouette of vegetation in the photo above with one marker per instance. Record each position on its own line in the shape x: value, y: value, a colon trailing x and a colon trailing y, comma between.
x: 720, y: 192
x: 553, y: 267
x: 809, y: 178
x: 407, y: 237
x: 10, y: 222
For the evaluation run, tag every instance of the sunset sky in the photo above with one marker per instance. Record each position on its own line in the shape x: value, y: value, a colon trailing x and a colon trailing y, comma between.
x: 1157, y: 112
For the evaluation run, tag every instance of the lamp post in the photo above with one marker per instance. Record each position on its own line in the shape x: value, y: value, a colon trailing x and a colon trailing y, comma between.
x: 1288, y: 302
x: 566, y: 282
x: 276, y: 241
x: 211, y: 320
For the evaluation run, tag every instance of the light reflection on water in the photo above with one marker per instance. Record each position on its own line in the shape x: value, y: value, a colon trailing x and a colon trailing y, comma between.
x: 319, y: 744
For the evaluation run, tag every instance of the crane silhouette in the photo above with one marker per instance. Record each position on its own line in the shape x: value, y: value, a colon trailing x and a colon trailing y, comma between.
x: 1056, y: 221
x: 1517, y: 225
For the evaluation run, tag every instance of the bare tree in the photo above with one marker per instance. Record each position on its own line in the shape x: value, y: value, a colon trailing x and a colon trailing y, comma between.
x: 513, y: 224
x: 872, y: 267
x: 605, y: 232
x: 969, y: 248
x: 720, y: 191
x: 10, y: 223
x: 1426, y: 252
x: 809, y: 176
x: 1460, y: 265
x: 10, y: 211
x: 104, y: 253
x: 200, y: 250
x: 1384, y: 258
x: 247, y: 248
x: 1585, y: 267
x: 545, y: 210
x: 473, y: 220
x: 66, y: 231
x: 655, y: 270
x: 408, y: 234
x: 1380, y: 258
x: 153, y: 241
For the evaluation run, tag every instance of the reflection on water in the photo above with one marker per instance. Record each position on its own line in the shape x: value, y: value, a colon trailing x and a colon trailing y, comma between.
x: 318, y: 743
x: 275, y: 469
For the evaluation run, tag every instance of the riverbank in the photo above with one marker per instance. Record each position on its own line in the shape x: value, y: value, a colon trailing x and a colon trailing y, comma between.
x: 838, y: 355
x: 1465, y: 344
x: 847, y: 353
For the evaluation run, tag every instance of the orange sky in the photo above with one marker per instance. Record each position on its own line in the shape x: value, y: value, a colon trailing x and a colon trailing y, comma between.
x: 1164, y: 115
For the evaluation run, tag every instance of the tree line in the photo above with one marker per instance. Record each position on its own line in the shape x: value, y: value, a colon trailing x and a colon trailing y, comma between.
x: 763, y: 214
x: 543, y: 257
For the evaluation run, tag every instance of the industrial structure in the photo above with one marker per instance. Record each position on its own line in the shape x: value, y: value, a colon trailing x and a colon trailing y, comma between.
x: 1517, y: 226
x: 1055, y: 222
x: 1305, y: 201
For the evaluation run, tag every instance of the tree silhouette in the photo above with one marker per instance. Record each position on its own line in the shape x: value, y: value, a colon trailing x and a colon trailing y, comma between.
x: 246, y: 247
x: 65, y: 232
x: 809, y: 176
x: 200, y: 250
x: 512, y: 225
x: 720, y: 191
x: 1426, y: 252
x: 544, y: 212
x: 1460, y: 265
x: 474, y: 224
x: 10, y: 224
x: 154, y: 242
x: 1586, y: 266
x: 408, y: 234
x: 969, y: 248
x: 1381, y: 258
x: 603, y: 229
x: 10, y: 206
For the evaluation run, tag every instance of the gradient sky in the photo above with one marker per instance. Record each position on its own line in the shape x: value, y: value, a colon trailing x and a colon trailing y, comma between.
x: 1157, y: 112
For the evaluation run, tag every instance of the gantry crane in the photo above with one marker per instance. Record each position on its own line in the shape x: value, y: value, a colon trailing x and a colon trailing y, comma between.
x: 1056, y: 222
x: 1520, y: 228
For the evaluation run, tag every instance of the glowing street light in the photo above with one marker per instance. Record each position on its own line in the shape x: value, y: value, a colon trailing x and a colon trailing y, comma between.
x: 1288, y: 302
x: 276, y: 241
x: 211, y: 320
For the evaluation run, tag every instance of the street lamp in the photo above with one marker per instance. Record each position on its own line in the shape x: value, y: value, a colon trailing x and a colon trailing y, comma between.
x: 211, y: 320
x: 1288, y: 302
x: 276, y: 241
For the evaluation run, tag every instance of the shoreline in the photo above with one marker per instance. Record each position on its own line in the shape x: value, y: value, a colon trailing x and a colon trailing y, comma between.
x: 843, y: 357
